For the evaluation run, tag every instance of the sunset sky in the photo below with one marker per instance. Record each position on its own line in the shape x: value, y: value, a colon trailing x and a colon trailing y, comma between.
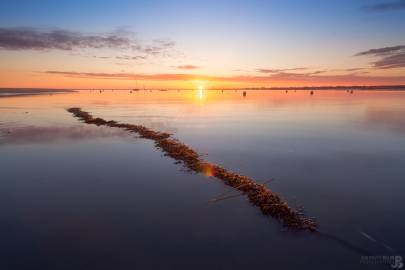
x: 181, y: 44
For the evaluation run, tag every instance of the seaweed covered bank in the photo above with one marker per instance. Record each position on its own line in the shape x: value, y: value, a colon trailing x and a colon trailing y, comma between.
x: 258, y: 194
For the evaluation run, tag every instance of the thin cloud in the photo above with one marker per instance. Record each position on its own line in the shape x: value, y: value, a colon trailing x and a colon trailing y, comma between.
x: 274, y: 70
x: 317, y: 72
x: 35, y: 39
x: 386, y: 6
x: 124, y: 76
x: 166, y: 43
x: 392, y: 61
x: 390, y: 57
x: 382, y: 51
x: 128, y: 57
x: 64, y: 40
x: 187, y: 67
x: 281, y: 77
x: 284, y: 72
x: 353, y: 69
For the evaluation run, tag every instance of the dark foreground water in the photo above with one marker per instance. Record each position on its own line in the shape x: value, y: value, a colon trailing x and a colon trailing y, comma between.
x: 74, y: 196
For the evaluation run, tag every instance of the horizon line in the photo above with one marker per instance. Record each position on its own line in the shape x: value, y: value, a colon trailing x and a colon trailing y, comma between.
x: 359, y: 87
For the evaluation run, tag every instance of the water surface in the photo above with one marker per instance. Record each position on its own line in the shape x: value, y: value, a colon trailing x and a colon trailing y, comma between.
x: 74, y: 196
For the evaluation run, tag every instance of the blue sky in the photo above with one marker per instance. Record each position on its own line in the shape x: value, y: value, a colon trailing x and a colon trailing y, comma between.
x: 223, y: 36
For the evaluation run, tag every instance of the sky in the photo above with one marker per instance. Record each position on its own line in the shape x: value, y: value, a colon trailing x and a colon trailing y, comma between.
x: 217, y: 44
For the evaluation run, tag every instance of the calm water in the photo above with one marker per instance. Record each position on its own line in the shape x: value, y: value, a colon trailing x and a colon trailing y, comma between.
x: 74, y: 196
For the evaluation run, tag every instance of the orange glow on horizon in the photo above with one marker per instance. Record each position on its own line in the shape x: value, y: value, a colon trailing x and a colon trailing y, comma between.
x: 26, y: 79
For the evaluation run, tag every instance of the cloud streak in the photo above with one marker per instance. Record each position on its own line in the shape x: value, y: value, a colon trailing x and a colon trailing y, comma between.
x: 187, y: 67
x: 281, y: 77
x: 128, y: 57
x: 386, y: 6
x: 390, y: 57
x: 23, y: 38
x: 274, y: 70
x: 35, y: 39
x: 382, y: 51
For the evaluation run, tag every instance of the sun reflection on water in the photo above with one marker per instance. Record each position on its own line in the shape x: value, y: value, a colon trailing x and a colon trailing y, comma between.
x: 200, y: 92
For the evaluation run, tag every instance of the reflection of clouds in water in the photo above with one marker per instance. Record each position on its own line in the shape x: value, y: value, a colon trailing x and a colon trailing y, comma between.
x: 10, y: 108
x: 162, y: 126
x: 157, y: 122
x: 38, y: 134
x: 146, y: 116
x: 389, y: 118
x: 153, y: 116
x: 101, y: 103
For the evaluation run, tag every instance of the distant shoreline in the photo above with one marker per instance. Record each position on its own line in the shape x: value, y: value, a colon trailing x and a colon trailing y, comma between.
x: 35, y: 91
x: 352, y: 87
x: 18, y: 92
